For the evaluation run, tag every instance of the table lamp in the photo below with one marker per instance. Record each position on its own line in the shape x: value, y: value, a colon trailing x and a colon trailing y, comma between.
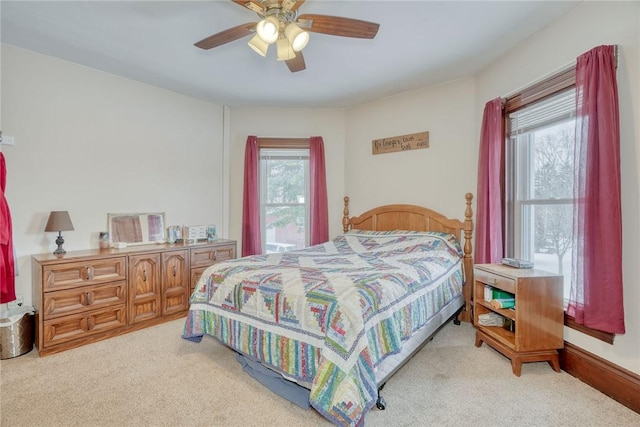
x: 59, y: 221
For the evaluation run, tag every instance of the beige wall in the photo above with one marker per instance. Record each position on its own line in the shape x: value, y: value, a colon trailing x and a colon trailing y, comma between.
x: 92, y: 143
x: 589, y: 25
x: 288, y: 123
x: 438, y: 176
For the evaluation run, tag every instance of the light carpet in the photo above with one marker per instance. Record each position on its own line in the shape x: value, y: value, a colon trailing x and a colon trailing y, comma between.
x: 153, y: 377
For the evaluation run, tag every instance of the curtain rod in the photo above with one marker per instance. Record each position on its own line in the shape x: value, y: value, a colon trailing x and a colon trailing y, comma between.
x: 556, y: 71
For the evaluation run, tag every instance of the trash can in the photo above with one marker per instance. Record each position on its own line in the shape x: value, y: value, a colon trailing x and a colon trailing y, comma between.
x: 17, y: 327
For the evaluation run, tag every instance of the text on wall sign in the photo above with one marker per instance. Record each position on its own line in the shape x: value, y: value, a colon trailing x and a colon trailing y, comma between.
x: 413, y: 141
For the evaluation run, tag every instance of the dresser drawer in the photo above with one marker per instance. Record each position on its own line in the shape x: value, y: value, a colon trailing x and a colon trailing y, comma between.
x: 501, y: 282
x: 75, y: 326
x: 196, y: 274
x: 204, y: 257
x: 71, y: 301
x: 224, y: 253
x: 74, y: 274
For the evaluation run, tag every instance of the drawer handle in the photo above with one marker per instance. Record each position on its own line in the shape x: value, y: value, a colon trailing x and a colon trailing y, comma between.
x: 89, y: 298
x: 144, y: 275
x: 89, y: 273
x: 215, y: 255
x: 89, y: 326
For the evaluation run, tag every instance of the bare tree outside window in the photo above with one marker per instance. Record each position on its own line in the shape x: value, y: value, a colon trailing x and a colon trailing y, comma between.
x: 540, y: 157
x: 553, y: 165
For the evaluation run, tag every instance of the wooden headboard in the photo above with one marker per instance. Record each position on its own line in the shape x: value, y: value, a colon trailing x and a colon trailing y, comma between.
x: 418, y: 218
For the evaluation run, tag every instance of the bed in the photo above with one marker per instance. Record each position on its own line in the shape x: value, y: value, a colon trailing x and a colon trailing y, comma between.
x: 337, y: 320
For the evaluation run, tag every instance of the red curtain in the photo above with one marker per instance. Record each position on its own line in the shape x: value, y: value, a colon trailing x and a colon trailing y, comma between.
x: 596, y: 283
x: 7, y: 266
x: 251, y: 237
x: 318, y: 182
x: 489, y: 212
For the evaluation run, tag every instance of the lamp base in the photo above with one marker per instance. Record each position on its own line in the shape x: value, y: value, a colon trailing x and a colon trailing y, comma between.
x: 59, y: 242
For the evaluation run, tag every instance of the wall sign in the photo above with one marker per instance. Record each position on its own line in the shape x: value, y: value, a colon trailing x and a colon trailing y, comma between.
x: 413, y: 141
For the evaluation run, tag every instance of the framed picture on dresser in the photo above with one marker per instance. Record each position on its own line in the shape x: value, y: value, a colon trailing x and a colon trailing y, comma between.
x: 137, y: 228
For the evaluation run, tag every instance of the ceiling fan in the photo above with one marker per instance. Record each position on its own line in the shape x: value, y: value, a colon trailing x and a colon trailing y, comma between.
x: 280, y: 24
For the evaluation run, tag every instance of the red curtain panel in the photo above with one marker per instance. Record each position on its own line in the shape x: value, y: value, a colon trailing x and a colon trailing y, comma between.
x: 318, y: 183
x: 488, y: 238
x: 596, y: 286
x: 251, y: 238
x: 7, y: 266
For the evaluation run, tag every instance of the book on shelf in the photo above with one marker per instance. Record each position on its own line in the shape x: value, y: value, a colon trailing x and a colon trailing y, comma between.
x: 500, y: 294
x: 503, y: 302
x: 493, y: 293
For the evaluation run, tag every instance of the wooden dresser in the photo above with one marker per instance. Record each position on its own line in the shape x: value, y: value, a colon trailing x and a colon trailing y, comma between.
x: 86, y: 296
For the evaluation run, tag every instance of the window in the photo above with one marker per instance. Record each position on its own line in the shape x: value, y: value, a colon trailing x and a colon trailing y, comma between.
x: 284, y: 198
x: 538, y: 193
x: 539, y: 184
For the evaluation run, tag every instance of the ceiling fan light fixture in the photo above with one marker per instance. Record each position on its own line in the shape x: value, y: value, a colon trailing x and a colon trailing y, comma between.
x: 281, y: 24
x: 268, y: 29
x: 285, y: 51
x: 259, y: 45
x: 296, y: 36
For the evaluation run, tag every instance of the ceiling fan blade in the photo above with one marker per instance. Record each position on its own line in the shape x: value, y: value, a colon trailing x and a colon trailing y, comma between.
x: 253, y: 5
x: 291, y: 5
x: 296, y: 64
x: 338, y: 26
x: 226, y: 36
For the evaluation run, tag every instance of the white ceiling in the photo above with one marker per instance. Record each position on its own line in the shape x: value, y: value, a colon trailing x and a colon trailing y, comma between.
x: 420, y: 43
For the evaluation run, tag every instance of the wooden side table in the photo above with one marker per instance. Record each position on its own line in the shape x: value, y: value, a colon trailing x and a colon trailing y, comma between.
x: 537, y: 319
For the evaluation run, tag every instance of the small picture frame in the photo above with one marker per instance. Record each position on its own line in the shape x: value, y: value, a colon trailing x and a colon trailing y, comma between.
x: 212, y: 233
x: 174, y: 234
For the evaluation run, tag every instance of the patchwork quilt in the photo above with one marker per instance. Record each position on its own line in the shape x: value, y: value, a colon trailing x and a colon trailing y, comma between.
x: 329, y: 314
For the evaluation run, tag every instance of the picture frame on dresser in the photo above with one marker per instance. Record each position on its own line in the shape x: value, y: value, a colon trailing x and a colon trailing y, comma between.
x: 136, y: 228
x: 174, y: 234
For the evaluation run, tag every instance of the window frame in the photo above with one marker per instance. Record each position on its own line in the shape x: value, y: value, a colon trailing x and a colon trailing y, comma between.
x: 539, y: 91
x: 521, y: 200
x: 283, y: 144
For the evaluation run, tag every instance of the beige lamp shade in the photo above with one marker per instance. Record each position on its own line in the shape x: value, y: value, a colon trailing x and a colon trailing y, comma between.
x: 285, y: 51
x: 259, y: 45
x: 296, y: 36
x: 268, y: 29
x: 59, y: 221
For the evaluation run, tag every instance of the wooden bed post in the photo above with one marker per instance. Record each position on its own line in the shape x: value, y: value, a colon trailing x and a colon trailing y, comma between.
x: 345, y: 215
x: 467, y: 314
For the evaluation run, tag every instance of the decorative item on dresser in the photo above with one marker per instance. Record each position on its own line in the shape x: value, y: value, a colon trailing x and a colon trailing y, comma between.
x: 136, y: 228
x: 86, y: 296
x: 59, y: 221
x: 103, y: 240
x: 532, y: 329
